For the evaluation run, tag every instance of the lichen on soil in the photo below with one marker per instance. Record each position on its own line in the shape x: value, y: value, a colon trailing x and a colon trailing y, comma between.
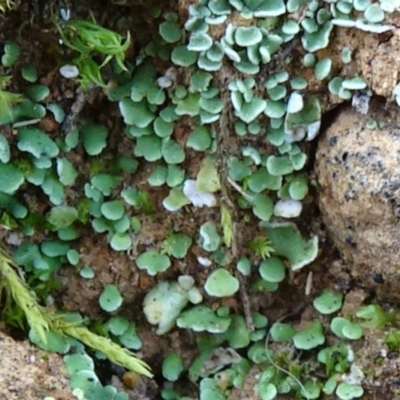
x: 355, y: 196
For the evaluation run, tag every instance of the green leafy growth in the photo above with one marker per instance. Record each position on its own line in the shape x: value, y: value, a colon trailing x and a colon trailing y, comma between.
x: 375, y: 317
x: 13, y: 206
x: 112, y: 350
x: 344, y: 328
x: 272, y: 269
x: 11, y: 53
x: 281, y: 332
x: 29, y: 73
x: 393, y: 340
x: 153, y: 262
x: 287, y: 241
x: 118, y: 325
x: 66, y: 171
x: 202, y: 318
x: 11, y: 178
x: 227, y: 225
x: 121, y: 241
x: 130, y: 338
x: 334, y: 358
x: 110, y: 298
x: 328, y: 302
x: 53, y: 342
x: 220, y: 283
x: 113, y: 210
x: 175, y: 200
x: 5, y: 152
x: 89, y: 39
x: 209, y: 389
x: 138, y: 199
x: 208, y: 177
x: 62, y: 216
x: 105, y: 183
x: 172, y: 367
x: 7, y: 221
x: 347, y: 391
x: 209, y: 237
x: 37, y: 143
x: 176, y: 245
x: 7, y: 100
x: 78, y: 362
x: 19, y: 293
x: 261, y: 247
x: 310, y: 337
x: 243, y: 266
x: 237, y: 335
x: 144, y: 86
x: 42, y: 321
x: 6, y: 4
x: 94, y: 138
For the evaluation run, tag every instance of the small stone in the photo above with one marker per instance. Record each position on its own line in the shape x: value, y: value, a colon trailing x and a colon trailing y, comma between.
x: 288, y: 208
x: 295, y: 103
x: 69, y: 71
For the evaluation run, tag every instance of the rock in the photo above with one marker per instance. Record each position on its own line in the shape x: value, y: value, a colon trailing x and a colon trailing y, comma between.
x: 380, y: 363
x: 358, y: 172
x: 31, y: 374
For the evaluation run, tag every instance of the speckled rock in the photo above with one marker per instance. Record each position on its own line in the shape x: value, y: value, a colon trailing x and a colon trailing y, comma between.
x: 31, y: 374
x: 358, y: 172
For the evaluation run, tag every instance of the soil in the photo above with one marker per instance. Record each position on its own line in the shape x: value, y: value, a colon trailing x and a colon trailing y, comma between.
x: 375, y: 58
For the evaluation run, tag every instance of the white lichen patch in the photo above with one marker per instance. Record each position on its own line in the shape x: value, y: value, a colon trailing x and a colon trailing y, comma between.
x: 197, y: 197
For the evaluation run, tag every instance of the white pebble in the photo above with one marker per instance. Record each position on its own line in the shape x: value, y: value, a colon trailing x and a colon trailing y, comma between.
x: 288, y: 208
x: 186, y: 282
x: 295, y: 103
x: 195, y: 296
x: 203, y: 261
x: 14, y: 239
x: 313, y: 130
x: 69, y: 71
x: 164, y: 82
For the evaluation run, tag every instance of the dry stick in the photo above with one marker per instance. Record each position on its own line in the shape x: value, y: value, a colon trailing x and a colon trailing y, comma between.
x: 279, y: 368
x: 246, y: 304
x: 224, y: 130
x: 71, y: 120
x: 239, y: 189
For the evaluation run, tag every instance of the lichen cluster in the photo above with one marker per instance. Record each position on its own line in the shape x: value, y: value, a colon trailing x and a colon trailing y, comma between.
x: 213, y: 116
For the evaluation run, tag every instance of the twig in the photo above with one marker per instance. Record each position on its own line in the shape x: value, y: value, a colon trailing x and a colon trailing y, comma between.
x: 239, y: 189
x: 246, y: 304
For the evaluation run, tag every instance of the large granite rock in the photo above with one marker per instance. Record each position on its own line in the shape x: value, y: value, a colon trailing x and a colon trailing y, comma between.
x: 28, y: 373
x: 358, y: 172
